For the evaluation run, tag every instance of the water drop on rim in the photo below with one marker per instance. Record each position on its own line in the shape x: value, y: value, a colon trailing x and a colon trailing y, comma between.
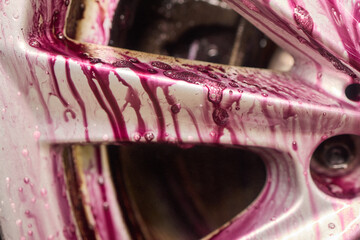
x: 149, y: 136
x: 331, y: 225
x: 133, y: 60
x: 60, y: 36
x: 37, y: 135
x: 105, y: 137
x: 106, y: 205
x: 16, y: 15
x: 34, y: 43
x: 220, y: 116
x: 212, y: 75
x: 25, y: 152
x: 232, y: 84
x: 175, y: 108
x: 43, y: 192
x: 100, y: 180
x: 294, y: 145
x: 161, y: 65
x: 152, y: 71
x: 137, y: 137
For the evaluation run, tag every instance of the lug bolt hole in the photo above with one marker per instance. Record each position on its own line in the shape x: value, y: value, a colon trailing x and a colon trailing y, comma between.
x: 335, y: 166
x: 352, y: 92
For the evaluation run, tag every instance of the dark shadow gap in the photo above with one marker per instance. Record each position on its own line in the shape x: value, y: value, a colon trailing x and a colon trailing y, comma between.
x: 183, y: 193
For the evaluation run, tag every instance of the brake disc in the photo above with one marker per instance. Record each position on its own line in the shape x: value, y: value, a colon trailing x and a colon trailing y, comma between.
x: 81, y: 119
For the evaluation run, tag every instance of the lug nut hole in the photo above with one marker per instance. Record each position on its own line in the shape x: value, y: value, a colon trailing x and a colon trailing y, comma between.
x: 335, y: 166
x: 352, y: 92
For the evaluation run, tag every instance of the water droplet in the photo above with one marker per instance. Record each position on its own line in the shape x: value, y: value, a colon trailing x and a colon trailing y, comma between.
x: 220, y: 116
x: 212, y: 75
x: 234, y: 85
x: 212, y: 96
x: 294, y: 145
x: 67, y: 2
x: 50, y: 237
x: 264, y: 94
x: 303, y: 19
x: 37, y: 135
x: 183, y: 75
x: 21, y: 189
x: 16, y: 15
x: 133, y: 60
x: 18, y: 222
x: 137, y: 137
x: 105, y: 137
x: 30, y: 233
x: 175, y: 108
x: 43, y: 192
x: 34, y: 43
x: 331, y: 225
x: 29, y: 225
x: 13, y: 207
x: 149, y: 136
x: 60, y: 36
x: 95, y: 60
x: 100, y: 180
x: 25, y: 152
x: 324, y: 114
x: 202, y: 69
x: 152, y: 71
x: 106, y: 205
x: 27, y: 213
x: 161, y: 65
